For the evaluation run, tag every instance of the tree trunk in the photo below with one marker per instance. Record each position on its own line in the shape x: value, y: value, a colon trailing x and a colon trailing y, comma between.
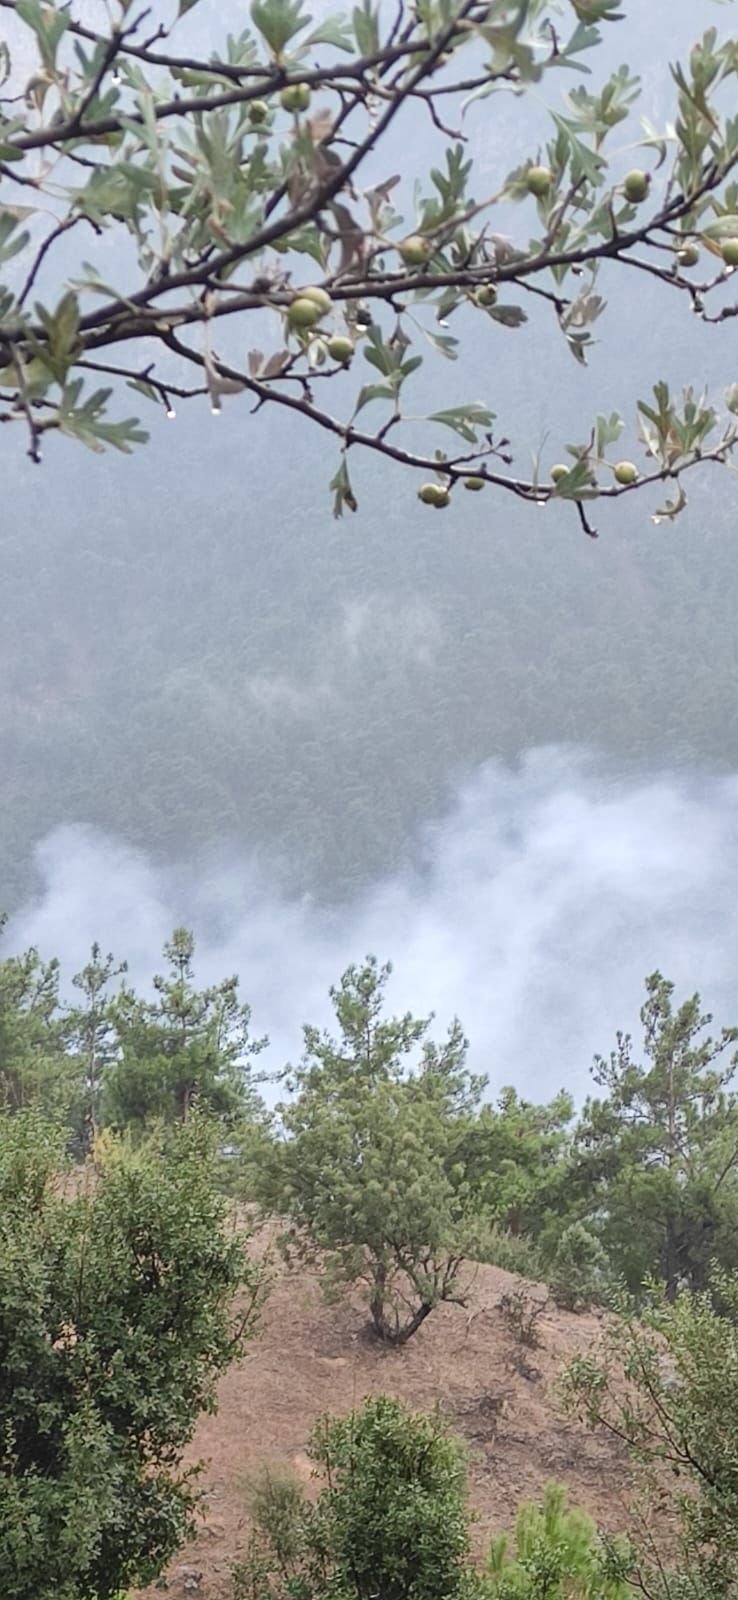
x: 377, y: 1304
x: 672, y: 1271
x: 390, y: 1331
x: 410, y: 1327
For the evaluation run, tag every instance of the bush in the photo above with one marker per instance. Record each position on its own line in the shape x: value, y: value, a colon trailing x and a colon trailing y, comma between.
x: 116, y: 1320
x: 558, y: 1555
x: 579, y: 1275
x: 275, y: 1501
x: 522, y: 1313
x: 369, y: 1176
x: 513, y: 1252
x: 391, y: 1518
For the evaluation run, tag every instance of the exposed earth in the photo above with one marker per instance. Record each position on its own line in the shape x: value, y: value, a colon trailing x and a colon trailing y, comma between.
x: 310, y: 1358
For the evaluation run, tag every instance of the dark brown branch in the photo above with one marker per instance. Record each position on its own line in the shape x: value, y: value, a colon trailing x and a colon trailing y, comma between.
x: 217, y: 68
x: 269, y: 80
x: 308, y: 210
x: 454, y: 468
x: 389, y: 286
x: 74, y: 126
x: 145, y: 375
x: 51, y: 238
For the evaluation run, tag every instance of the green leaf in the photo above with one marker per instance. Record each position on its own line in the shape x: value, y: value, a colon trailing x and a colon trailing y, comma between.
x: 448, y: 303
x: 10, y: 246
x: 464, y: 420
x: 366, y: 28
x: 377, y: 353
x: 85, y: 420
x: 577, y: 485
x: 342, y: 491
x: 725, y: 227
x: 373, y: 391
x: 444, y: 343
x: 113, y: 192
x: 335, y: 31
x: 278, y: 21
x: 671, y: 510
x: 510, y: 316
x: 48, y: 22
x: 140, y: 385
x: 607, y: 431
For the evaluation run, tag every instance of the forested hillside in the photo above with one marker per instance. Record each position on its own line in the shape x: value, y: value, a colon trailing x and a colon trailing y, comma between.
x: 311, y: 691
x: 151, y: 1205
x: 473, y: 1329
x: 439, y: 1174
x: 314, y: 697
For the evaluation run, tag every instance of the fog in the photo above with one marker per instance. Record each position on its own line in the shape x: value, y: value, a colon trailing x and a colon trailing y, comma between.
x: 533, y: 910
x: 480, y: 745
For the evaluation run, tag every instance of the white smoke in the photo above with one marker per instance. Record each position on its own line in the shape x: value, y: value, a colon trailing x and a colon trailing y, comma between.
x: 533, y: 911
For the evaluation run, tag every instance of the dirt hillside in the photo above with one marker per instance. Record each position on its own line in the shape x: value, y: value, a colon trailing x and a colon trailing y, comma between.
x: 311, y: 1358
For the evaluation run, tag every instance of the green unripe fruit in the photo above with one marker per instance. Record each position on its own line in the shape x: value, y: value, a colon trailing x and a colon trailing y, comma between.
x: 433, y: 494
x: 539, y: 181
x: 415, y: 250
x: 303, y: 313
x: 36, y: 377
x: 340, y: 348
x: 486, y: 296
x: 635, y: 186
x: 626, y: 472
x: 474, y: 483
x: 295, y: 97
x: 729, y: 252
x: 688, y: 255
x: 319, y: 298
x: 558, y: 472
x: 258, y: 111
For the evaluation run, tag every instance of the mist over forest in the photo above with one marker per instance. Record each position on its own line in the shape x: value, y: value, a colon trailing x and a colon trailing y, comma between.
x: 484, y: 746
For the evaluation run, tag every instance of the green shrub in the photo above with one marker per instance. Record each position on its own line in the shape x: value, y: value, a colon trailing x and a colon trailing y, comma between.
x: 558, y: 1555
x: 579, y: 1275
x: 391, y: 1518
x: 513, y: 1252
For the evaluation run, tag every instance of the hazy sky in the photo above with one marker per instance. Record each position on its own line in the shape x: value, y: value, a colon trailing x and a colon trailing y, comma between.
x: 364, y: 688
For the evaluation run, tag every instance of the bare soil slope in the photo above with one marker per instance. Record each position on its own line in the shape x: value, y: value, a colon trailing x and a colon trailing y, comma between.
x: 311, y: 1358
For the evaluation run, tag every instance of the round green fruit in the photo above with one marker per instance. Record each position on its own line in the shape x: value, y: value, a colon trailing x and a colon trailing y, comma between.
x: 635, y: 186
x: 474, y: 483
x: 258, y: 111
x: 626, y: 472
x: 558, y: 472
x: 486, y: 296
x: 539, y: 181
x: 688, y: 254
x: 433, y: 494
x: 729, y: 252
x: 319, y: 297
x: 303, y: 313
x: 340, y: 348
x: 415, y: 250
x: 295, y: 97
